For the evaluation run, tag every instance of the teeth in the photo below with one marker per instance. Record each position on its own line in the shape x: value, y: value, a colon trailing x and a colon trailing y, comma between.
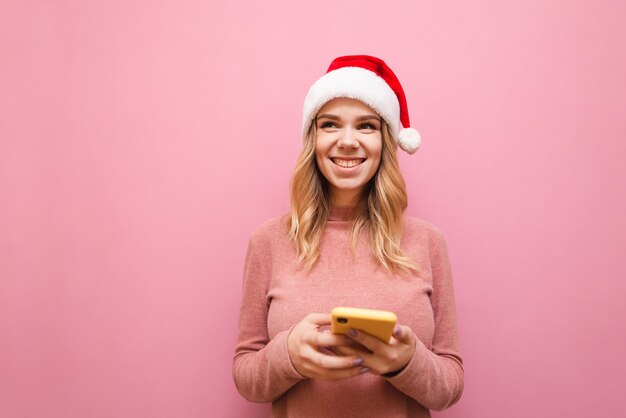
x: 346, y: 163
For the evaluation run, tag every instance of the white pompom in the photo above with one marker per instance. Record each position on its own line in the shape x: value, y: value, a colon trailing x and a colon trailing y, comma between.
x: 409, y: 140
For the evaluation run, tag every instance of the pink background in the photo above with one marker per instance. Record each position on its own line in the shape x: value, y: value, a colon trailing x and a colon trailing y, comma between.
x: 142, y: 142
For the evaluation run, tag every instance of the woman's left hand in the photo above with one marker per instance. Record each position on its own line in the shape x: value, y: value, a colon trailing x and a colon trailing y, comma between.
x: 384, y: 358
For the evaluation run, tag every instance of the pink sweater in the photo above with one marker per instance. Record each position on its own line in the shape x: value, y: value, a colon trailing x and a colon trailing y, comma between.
x: 277, y: 294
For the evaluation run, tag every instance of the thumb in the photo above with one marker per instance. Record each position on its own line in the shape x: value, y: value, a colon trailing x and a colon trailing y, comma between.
x: 402, y: 333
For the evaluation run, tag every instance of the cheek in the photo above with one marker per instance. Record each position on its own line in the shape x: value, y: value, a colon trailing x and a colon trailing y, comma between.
x: 320, y: 164
x: 376, y: 152
x: 321, y: 150
x: 319, y: 146
x: 377, y: 163
x: 318, y: 153
x: 375, y: 167
x: 320, y: 160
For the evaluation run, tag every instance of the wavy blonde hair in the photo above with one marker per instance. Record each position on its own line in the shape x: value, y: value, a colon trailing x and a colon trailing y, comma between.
x: 380, y: 208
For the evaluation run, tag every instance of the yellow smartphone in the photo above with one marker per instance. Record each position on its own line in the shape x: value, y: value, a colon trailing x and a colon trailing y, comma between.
x: 379, y: 324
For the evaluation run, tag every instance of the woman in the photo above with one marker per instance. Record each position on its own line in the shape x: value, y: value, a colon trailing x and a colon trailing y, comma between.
x: 346, y: 242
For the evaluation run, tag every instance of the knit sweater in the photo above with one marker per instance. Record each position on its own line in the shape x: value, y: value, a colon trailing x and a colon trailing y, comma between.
x: 278, y: 293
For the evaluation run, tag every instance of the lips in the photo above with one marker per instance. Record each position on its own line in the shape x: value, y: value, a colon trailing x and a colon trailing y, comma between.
x: 347, y: 162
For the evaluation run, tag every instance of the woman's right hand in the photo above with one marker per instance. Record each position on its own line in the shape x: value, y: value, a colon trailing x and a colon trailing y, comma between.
x: 306, y: 344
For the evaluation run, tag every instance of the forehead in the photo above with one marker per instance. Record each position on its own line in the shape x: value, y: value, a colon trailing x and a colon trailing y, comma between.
x: 344, y: 104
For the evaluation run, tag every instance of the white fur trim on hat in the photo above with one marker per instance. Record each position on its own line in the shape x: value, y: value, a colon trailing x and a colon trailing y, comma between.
x: 354, y: 83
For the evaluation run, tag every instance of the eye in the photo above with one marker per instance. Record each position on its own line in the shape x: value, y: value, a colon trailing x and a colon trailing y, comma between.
x: 328, y: 125
x: 368, y: 126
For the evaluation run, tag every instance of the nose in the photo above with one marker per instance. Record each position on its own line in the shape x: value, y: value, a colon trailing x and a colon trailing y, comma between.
x: 348, y: 138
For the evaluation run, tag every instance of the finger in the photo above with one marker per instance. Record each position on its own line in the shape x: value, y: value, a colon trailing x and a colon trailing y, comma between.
x: 348, y: 351
x: 319, y: 318
x: 349, y: 341
x: 324, y: 339
x: 327, y: 350
x: 335, y: 351
x: 326, y: 361
x: 403, y: 334
x: 371, y: 343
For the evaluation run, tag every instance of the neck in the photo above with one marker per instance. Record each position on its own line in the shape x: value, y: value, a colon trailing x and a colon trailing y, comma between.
x: 345, y: 198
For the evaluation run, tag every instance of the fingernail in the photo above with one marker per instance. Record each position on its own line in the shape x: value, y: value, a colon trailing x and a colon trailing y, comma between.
x: 364, y: 370
x: 352, y: 332
x: 396, y: 331
x: 357, y: 361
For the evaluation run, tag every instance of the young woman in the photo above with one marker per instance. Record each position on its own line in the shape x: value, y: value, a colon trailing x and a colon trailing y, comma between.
x: 346, y: 242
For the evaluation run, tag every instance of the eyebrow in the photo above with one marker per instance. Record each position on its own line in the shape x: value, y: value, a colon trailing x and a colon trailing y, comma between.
x: 360, y: 118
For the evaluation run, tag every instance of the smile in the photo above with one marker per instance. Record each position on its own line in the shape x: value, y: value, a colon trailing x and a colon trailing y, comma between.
x: 347, y: 163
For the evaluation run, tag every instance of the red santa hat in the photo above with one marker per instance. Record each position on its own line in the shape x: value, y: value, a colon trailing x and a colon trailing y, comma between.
x: 371, y: 81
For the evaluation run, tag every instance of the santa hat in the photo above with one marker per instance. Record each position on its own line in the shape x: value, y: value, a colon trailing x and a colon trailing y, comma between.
x: 371, y: 81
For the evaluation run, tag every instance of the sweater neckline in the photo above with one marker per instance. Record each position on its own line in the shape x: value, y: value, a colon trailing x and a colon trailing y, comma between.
x: 340, y: 213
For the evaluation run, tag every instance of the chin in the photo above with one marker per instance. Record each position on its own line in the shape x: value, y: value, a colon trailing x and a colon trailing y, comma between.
x: 348, y: 188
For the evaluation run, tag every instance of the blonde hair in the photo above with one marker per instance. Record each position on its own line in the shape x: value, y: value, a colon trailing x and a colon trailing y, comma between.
x: 380, y: 208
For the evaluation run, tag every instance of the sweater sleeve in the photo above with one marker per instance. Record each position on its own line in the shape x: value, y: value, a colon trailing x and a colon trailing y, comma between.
x: 434, y: 377
x: 262, y: 369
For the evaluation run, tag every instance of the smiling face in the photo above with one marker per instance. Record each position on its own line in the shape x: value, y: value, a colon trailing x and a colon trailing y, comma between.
x: 348, y: 147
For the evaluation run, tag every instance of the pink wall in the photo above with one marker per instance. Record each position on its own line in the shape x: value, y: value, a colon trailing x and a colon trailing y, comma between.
x: 141, y: 143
